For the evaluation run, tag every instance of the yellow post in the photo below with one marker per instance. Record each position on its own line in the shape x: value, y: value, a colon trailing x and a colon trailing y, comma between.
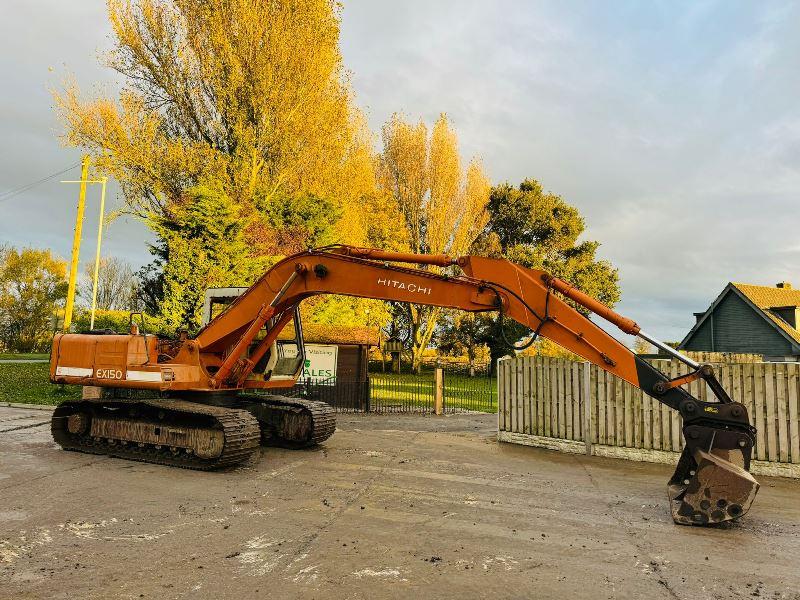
x: 438, y: 392
x: 97, y: 254
x: 76, y: 244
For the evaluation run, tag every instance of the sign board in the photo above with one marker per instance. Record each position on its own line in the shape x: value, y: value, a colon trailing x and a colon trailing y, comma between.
x: 320, y: 362
x: 392, y: 346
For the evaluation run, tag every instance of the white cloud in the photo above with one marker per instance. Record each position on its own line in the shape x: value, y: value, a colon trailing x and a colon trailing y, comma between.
x: 672, y: 128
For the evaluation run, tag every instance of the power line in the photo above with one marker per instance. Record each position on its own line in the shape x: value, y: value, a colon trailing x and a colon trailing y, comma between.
x: 7, y: 195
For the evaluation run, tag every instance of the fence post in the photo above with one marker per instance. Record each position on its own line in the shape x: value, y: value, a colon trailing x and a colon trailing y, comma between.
x: 438, y: 392
x: 500, y: 397
x: 368, y: 391
x: 587, y: 407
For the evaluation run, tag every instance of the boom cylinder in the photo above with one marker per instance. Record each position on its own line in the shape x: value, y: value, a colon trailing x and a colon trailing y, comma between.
x: 627, y: 325
x: 441, y: 260
x: 669, y: 350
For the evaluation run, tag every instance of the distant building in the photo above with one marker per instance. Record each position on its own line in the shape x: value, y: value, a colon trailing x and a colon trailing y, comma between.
x: 752, y: 319
x: 352, y: 343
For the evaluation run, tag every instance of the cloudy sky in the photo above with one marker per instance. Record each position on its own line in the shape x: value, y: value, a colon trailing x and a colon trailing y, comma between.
x: 673, y: 126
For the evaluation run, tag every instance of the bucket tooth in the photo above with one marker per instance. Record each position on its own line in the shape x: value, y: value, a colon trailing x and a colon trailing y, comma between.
x: 708, y: 489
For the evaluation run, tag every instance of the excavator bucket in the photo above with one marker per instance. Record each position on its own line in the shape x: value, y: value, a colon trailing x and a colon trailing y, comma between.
x: 710, y: 487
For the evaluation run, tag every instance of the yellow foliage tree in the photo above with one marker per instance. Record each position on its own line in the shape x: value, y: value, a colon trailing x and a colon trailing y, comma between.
x: 443, y: 205
x: 32, y: 285
x: 249, y: 97
x: 250, y: 94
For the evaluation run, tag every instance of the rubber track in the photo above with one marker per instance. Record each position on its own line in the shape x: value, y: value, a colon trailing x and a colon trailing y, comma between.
x: 322, y: 415
x: 241, y: 430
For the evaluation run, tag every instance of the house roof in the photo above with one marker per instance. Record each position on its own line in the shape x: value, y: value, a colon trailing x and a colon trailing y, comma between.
x: 761, y: 298
x: 766, y: 297
x: 314, y: 333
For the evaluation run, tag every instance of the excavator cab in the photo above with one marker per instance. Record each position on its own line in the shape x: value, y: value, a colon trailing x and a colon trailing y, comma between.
x: 286, y: 357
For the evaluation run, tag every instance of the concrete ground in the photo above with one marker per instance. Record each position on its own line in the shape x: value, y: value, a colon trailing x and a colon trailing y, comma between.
x: 389, y: 507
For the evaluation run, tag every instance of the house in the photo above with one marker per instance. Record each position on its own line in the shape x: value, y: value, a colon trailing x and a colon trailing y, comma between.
x: 753, y: 319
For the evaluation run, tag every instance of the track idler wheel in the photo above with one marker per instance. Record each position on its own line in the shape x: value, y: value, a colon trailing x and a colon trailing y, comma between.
x: 78, y: 423
x: 290, y: 422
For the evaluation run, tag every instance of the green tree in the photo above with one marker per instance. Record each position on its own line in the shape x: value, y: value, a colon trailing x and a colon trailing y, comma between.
x: 292, y: 223
x: 32, y: 284
x: 201, y: 246
x: 458, y: 335
x: 539, y: 230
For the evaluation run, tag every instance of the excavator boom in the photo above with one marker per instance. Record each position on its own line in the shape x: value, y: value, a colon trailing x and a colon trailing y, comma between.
x: 239, y: 351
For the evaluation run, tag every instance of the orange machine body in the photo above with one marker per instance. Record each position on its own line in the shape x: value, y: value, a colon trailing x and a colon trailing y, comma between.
x: 223, y: 353
x: 122, y: 360
x: 239, y: 350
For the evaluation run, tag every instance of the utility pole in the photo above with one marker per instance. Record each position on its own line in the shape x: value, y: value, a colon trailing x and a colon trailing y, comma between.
x: 76, y: 243
x: 103, y: 180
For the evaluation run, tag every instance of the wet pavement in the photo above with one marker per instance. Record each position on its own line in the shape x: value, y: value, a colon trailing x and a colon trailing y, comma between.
x: 389, y: 507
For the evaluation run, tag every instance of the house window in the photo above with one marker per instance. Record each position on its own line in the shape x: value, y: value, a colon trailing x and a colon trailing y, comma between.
x: 788, y: 314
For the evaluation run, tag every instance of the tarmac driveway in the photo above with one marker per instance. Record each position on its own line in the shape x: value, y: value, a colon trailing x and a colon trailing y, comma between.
x: 389, y: 507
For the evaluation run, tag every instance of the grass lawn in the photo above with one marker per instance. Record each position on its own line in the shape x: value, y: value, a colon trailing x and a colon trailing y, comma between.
x: 13, y: 356
x: 407, y: 390
x: 30, y: 384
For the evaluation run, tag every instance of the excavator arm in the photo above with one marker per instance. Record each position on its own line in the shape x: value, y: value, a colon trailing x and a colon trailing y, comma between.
x: 711, y: 483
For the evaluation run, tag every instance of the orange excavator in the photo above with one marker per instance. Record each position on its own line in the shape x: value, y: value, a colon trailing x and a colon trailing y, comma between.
x: 209, y: 401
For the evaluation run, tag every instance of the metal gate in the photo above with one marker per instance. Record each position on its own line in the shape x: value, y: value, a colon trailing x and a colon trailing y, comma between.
x: 391, y: 393
x: 342, y: 394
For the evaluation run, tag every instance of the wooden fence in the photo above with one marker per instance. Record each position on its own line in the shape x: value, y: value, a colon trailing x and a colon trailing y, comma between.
x: 541, y: 400
x: 715, y: 357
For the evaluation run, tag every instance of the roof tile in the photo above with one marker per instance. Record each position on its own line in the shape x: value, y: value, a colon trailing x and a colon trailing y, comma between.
x: 314, y: 333
x: 765, y: 297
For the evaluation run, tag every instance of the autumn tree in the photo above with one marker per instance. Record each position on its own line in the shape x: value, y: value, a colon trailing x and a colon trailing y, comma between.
x: 442, y: 204
x: 248, y: 97
x: 116, y: 285
x: 32, y: 284
x: 539, y: 230
x: 201, y: 245
x: 252, y: 94
x: 458, y: 334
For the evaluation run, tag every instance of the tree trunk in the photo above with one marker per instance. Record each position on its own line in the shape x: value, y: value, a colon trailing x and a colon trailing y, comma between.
x: 423, y: 324
x: 471, y: 345
x: 416, y: 349
x: 471, y: 357
x: 494, y: 355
